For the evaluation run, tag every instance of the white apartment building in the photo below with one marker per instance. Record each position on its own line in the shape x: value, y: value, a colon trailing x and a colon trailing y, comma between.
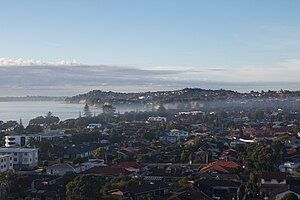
x: 22, y: 157
x: 23, y: 140
x: 6, y: 162
x: 16, y: 140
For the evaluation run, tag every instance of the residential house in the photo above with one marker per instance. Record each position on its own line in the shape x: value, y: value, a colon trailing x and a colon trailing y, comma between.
x: 190, y: 192
x: 107, y: 171
x: 64, y: 168
x: 174, y: 135
x: 218, y: 188
x: 272, y: 181
x: 23, y: 140
x: 157, y: 119
x: 94, y: 126
x: 290, y: 168
x: 6, y: 162
x: 166, y: 174
x: 22, y: 157
x: 220, y: 166
x: 81, y: 151
x: 144, y: 189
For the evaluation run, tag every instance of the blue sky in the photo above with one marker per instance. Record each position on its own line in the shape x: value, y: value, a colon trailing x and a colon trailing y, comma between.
x: 173, y: 35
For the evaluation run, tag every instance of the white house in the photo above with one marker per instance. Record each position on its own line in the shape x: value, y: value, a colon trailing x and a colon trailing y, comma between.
x: 290, y: 168
x: 6, y: 162
x: 16, y: 140
x: 178, y: 133
x: 272, y: 181
x: 196, y: 112
x: 22, y: 157
x: 23, y: 140
x: 157, y: 119
x: 174, y: 135
x: 63, y: 168
x: 93, y: 126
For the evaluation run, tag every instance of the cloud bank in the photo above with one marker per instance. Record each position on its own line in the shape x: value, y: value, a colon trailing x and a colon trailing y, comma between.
x: 22, y: 62
x: 29, y: 77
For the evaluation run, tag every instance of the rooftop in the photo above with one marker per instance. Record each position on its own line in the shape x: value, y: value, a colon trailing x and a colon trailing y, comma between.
x: 16, y: 150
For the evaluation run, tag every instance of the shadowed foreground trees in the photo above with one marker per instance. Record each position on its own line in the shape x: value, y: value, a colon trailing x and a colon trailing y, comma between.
x: 290, y: 196
x: 85, y: 187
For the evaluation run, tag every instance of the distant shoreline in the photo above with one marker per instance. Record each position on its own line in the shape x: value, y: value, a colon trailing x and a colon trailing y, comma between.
x: 31, y: 98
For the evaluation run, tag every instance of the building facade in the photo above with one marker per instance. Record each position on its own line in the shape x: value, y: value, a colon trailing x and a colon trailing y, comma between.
x: 6, y: 162
x: 22, y: 158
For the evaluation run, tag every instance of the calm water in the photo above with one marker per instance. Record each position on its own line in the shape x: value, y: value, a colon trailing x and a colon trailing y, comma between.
x: 29, y: 110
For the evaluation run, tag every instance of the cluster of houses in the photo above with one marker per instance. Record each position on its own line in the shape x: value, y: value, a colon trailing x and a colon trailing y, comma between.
x: 188, y: 155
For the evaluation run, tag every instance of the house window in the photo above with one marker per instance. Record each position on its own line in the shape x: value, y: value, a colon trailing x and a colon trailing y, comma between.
x: 15, y: 159
x: 15, y: 154
x: 267, y: 180
x: 25, y: 154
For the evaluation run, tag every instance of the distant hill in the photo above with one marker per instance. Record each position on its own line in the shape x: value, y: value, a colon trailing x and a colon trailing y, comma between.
x: 185, y: 95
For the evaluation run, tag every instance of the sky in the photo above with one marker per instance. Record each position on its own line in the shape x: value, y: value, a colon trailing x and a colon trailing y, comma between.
x: 65, y: 47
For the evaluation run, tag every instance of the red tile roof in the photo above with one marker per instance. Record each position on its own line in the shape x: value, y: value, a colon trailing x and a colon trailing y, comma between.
x: 221, y: 166
x: 274, y: 175
x: 107, y: 171
x: 127, y: 165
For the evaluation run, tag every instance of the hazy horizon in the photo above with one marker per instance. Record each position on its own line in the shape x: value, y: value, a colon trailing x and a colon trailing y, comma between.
x: 63, y: 48
x: 73, y: 80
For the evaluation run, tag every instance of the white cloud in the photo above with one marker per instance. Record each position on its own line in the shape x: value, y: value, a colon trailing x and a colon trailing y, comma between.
x: 68, y: 78
x: 23, y: 62
x: 285, y: 71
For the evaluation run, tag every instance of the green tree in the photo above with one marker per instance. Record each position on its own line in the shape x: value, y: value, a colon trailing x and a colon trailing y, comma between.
x: 161, y: 110
x: 33, y: 128
x: 68, y: 177
x: 86, y: 111
x: 19, y: 129
x: 290, y: 196
x: 184, y: 156
x: 114, y: 136
x: 49, y: 114
x: 191, y: 157
x: 120, y: 181
x: 99, y: 153
x: 252, y: 186
x: 197, y: 142
x: 79, y: 160
x: 150, y: 196
x: 49, y: 119
x: 6, y: 178
x: 183, y: 182
x: 85, y: 187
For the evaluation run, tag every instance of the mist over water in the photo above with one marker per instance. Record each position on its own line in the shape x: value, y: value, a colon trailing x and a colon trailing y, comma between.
x: 30, y: 109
